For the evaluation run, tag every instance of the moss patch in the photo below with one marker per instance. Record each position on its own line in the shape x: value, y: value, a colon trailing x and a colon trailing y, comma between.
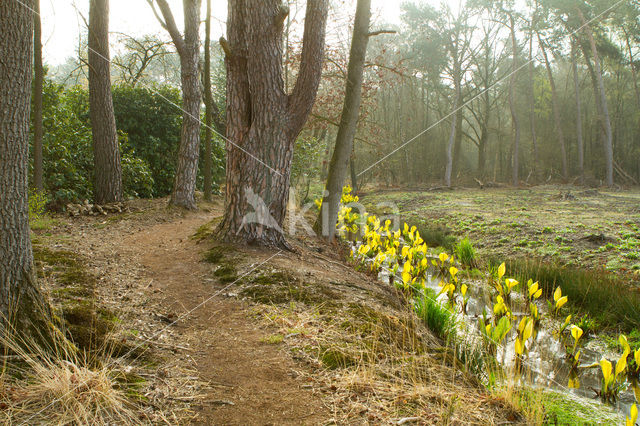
x: 226, y: 273
x: 334, y: 358
x: 215, y: 255
x: 281, y: 287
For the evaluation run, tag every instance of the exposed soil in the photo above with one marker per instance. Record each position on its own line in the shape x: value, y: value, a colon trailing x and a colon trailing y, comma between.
x: 240, y: 335
x: 251, y: 381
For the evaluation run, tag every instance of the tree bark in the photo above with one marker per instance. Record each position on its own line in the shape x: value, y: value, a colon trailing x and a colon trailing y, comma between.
x: 208, y: 100
x: 106, y: 153
x: 348, y: 123
x: 608, y: 142
x: 354, y: 174
x: 576, y: 85
x: 555, y: 104
x: 38, y: 81
x: 188, y: 47
x: 21, y: 305
x: 263, y: 122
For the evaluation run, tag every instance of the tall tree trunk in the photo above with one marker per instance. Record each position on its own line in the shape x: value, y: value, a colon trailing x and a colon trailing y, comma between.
x: 596, y: 98
x: 452, y: 135
x: 512, y: 106
x: 327, y: 154
x: 208, y: 100
x: 555, y: 104
x: 263, y: 122
x: 484, y: 135
x: 106, y: 152
x: 348, y: 123
x: 354, y: 174
x: 21, y: 304
x: 188, y: 47
x: 576, y: 85
x: 608, y: 143
x: 532, y: 107
x: 633, y: 68
x: 457, y: 143
x: 38, y: 81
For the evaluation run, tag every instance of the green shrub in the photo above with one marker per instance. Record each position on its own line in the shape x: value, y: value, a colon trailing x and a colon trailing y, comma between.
x: 153, y: 126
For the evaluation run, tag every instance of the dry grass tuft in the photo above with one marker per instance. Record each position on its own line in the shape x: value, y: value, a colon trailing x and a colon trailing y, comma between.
x: 58, y: 385
x: 382, y: 366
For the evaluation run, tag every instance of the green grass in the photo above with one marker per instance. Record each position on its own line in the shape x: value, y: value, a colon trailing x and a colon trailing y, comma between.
x: 612, y: 304
x: 438, y: 318
x: 465, y: 253
x: 433, y: 235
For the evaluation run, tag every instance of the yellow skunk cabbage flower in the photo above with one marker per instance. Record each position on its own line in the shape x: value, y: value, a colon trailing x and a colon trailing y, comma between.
x: 576, y: 332
x: 557, y: 294
x: 624, y: 343
x: 463, y: 290
x: 528, y: 330
x: 631, y: 421
x: 636, y: 356
x: 424, y: 263
x: 519, y: 346
x: 405, y: 251
x: 511, y: 283
x: 561, y: 302
x: 453, y: 271
x: 501, y: 270
x: 605, y: 366
x: 406, y: 278
x: 574, y: 383
x: 534, y: 290
x: 443, y: 257
x: 621, y: 365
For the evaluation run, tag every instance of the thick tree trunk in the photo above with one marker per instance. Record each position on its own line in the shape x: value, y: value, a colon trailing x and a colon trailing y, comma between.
x: 21, y: 305
x: 188, y: 47
x: 354, y: 174
x: 263, y: 122
x: 106, y: 153
x: 342, y: 152
x: 208, y: 100
x: 512, y: 106
x: 38, y: 81
x: 555, y: 105
x: 608, y: 143
x: 576, y: 85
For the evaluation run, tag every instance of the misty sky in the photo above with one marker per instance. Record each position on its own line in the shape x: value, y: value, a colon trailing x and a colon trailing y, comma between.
x: 62, y: 23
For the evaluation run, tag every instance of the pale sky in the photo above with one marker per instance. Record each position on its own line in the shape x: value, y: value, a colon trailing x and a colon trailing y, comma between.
x: 62, y: 24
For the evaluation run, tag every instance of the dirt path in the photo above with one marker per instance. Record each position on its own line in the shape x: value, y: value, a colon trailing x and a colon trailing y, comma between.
x: 251, y: 382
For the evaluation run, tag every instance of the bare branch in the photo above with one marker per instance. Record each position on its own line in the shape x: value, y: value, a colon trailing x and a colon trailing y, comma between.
x: 375, y: 33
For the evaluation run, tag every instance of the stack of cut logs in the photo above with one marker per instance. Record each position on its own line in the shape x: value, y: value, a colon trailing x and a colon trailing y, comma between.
x: 87, y: 209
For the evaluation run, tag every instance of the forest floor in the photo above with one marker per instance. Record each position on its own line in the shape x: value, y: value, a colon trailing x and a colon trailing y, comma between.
x: 219, y: 334
x: 568, y: 225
